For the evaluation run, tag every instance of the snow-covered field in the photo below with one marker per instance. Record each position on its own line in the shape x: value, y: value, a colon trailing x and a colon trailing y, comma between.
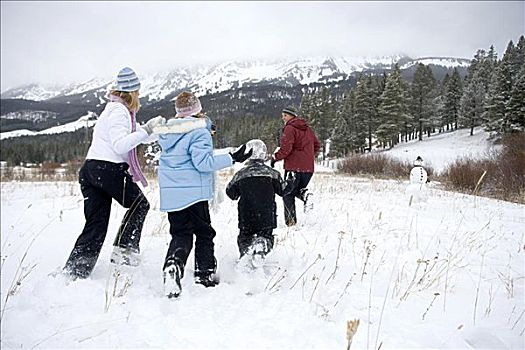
x: 447, y: 273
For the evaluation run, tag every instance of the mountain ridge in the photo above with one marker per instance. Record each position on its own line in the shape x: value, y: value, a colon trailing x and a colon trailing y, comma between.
x: 223, y: 76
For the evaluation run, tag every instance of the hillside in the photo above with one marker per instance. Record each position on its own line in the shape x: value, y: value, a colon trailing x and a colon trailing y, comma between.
x: 440, y: 150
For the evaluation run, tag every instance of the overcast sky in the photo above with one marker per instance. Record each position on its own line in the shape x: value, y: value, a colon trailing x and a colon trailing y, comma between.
x: 59, y: 42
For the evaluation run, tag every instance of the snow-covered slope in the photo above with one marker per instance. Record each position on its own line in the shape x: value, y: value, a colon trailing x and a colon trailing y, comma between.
x: 85, y: 121
x: 447, y: 62
x: 440, y: 150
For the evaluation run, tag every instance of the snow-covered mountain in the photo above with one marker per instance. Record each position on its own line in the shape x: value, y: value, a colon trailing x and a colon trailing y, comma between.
x: 42, y: 92
x: 34, y: 92
x: 447, y: 62
x: 224, y: 76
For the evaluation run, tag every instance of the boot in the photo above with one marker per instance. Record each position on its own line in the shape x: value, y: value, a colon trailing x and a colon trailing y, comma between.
x: 207, y: 280
x: 80, y: 267
x: 125, y: 256
x: 308, y: 202
x: 291, y: 222
x: 260, y: 246
x: 206, y: 276
x: 172, y: 276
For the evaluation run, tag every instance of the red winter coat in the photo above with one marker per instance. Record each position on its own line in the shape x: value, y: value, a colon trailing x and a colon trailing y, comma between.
x: 298, y: 146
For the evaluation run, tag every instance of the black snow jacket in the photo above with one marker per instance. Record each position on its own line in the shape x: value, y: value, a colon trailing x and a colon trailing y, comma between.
x: 256, y: 185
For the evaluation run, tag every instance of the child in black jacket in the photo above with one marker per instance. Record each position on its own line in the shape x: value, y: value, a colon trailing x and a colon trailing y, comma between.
x: 256, y: 185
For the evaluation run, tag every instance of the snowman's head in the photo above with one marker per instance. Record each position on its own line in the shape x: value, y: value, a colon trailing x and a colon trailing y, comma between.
x: 418, y: 161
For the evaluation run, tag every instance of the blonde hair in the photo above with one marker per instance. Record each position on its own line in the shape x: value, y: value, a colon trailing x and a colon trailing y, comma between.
x: 130, y: 98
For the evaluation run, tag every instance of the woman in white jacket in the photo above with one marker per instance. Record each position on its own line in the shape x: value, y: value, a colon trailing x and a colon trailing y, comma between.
x: 110, y: 172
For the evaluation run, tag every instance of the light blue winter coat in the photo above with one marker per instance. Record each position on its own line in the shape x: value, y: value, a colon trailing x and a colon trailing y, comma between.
x: 187, y: 163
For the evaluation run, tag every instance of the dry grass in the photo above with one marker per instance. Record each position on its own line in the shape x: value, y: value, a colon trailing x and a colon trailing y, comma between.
x: 505, y: 172
x: 378, y: 165
x: 53, y: 172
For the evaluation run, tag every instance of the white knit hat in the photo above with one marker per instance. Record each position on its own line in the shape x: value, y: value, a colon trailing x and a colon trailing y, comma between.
x: 187, y: 104
x: 258, y: 147
x: 127, y: 80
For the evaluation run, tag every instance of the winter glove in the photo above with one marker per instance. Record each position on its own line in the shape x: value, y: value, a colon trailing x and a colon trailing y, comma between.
x: 272, y: 162
x: 152, y: 123
x: 239, y: 156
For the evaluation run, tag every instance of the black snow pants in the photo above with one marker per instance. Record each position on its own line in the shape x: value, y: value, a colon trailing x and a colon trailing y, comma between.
x: 183, y: 225
x: 248, y: 236
x: 100, y: 183
x: 296, y: 183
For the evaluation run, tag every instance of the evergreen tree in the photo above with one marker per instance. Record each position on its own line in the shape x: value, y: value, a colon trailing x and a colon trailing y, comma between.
x: 422, y: 90
x: 472, y: 103
x: 363, y: 119
x: 520, y: 50
x: 323, y: 117
x: 453, y: 92
x: 444, y: 119
x: 480, y: 72
x: 342, y: 135
x: 494, y: 109
x: 483, y: 63
x: 307, y: 106
x: 392, y: 109
x: 516, y: 106
x: 270, y: 133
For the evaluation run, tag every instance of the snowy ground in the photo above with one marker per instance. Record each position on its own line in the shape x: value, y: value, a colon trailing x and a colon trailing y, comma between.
x: 445, y: 273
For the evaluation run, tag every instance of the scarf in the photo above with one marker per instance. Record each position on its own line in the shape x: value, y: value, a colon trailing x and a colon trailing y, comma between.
x: 134, y: 165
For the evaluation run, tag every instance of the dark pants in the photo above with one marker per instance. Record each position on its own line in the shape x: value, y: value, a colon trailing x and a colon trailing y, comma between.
x: 296, y: 183
x: 183, y: 225
x: 247, y: 237
x: 100, y: 183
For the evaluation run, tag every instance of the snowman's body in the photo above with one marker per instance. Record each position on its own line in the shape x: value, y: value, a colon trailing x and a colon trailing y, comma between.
x: 418, y: 175
x: 417, y: 189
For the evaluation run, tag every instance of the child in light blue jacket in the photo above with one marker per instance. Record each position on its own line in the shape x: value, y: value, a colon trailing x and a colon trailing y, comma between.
x: 186, y: 168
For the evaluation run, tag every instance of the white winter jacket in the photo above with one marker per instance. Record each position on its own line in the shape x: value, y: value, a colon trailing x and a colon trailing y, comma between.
x: 112, y: 136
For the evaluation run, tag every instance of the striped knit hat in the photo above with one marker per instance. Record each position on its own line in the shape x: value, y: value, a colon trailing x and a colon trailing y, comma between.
x: 187, y: 104
x: 290, y: 110
x: 127, y: 80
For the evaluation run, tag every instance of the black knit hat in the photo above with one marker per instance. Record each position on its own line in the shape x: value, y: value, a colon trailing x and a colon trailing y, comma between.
x: 290, y: 110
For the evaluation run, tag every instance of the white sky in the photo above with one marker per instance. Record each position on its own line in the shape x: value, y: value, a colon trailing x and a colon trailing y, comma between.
x: 58, y: 42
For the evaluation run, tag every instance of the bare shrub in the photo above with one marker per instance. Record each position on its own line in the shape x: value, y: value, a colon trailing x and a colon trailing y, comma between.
x: 6, y: 173
x: 510, y: 172
x: 72, y: 168
x: 378, y: 165
x: 505, y: 177
x: 463, y: 174
x: 49, y: 168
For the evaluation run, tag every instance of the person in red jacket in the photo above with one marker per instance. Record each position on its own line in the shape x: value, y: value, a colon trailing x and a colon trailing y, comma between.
x: 298, y: 147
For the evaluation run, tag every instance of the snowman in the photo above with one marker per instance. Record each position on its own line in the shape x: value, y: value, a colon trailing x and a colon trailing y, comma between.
x: 416, y: 189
